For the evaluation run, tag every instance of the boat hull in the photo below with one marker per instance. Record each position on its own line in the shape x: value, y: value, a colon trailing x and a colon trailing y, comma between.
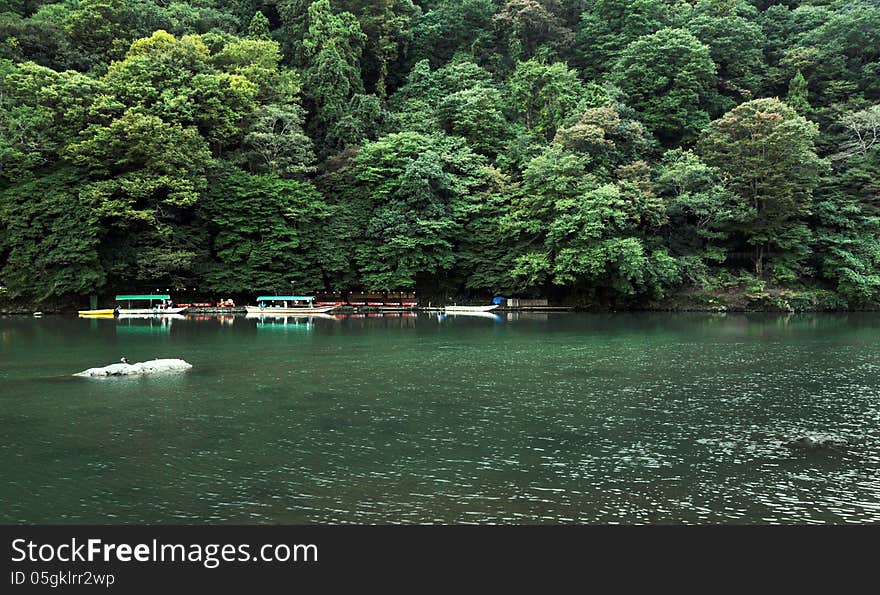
x: 107, y: 313
x: 151, y: 311
x: 281, y: 319
x: 470, y: 308
x: 163, y: 317
x: 491, y: 315
x: 288, y: 311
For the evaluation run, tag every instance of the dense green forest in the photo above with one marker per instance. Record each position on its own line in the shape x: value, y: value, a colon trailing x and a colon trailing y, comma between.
x: 604, y: 152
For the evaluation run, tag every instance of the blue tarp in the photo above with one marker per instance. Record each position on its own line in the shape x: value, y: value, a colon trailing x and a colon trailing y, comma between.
x: 497, y: 300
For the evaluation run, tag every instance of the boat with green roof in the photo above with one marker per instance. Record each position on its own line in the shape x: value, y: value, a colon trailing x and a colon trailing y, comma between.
x: 156, y: 304
x: 288, y: 304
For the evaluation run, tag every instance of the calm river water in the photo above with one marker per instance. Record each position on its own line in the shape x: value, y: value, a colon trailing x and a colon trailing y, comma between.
x: 541, y: 418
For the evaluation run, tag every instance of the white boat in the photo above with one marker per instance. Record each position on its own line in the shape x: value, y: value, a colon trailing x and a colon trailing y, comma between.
x: 454, y: 309
x: 469, y: 314
x: 163, y: 308
x: 290, y: 311
x: 150, y: 311
x: 267, y: 315
x: 275, y: 305
x: 165, y: 315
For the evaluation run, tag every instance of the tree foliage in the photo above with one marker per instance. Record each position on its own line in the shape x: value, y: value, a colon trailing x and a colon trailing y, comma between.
x: 667, y: 77
x: 766, y: 152
x: 599, y: 151
x: 264, y: 230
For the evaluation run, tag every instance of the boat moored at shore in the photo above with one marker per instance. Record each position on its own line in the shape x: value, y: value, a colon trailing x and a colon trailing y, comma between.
x: 105, y: 313
x: 157, y: 304
x: 287, y: 304
x: 469, y: 308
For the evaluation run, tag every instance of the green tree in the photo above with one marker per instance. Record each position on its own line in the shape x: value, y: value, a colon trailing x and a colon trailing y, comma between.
x: 294, y: 20
x: 848, y: 211
x: 550, y: 147
x: 41, y: 38
x: 766, y: 152
x: 574, y: 232
x: 736, y: 45
x: 607, y: 135
x: 459, y: 98
x: 488, y: 248
x: 156, y: 70
x: 258, y: 61
x: 387, y: 25
x: 701, y: 212
x: 97, y: 27
x: 544, y: 95
x: 452, y: 27
x: 476, y: 114
x: 276, y: 142
x: 263, y: 231
x: 51, y: 239
x: 259, y: 27
x: 141, y: 169
x: 608, y: 26
x: 175, y: 80
x: 528, y: 25
x: 332, y: 47
x: 798, y: 94
x: 847, y: 49
x: 419, y: 186
x: 365, y: 119
x: 667, y: 77
x: 346, y: 230
x: 40, y: 111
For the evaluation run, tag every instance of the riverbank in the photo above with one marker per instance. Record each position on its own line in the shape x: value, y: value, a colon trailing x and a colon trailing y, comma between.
x: 758, y: 297
x: 743, y: 297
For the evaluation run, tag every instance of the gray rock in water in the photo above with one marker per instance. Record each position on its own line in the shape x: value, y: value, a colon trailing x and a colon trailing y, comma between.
x: 812, y: 443
x: 156, y: 366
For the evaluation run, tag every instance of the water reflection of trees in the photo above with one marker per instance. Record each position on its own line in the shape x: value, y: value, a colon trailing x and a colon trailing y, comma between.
x: 378, y: 320
x: 18, y: 331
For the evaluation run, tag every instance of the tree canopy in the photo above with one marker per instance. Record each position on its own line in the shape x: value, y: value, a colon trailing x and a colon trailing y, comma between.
x: 606, y: 152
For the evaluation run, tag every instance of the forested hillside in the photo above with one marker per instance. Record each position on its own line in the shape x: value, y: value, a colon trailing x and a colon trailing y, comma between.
x: 605, y: 152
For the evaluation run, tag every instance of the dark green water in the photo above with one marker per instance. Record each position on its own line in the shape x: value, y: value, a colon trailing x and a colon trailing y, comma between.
x: 557, y: 418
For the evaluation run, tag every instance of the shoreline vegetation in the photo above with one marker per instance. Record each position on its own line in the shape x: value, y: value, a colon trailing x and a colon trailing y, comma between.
x: 738, y: 299
x: 701, y: 155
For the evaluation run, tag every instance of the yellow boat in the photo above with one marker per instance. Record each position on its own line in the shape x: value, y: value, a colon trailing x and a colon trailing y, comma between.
x: 97, y: 313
